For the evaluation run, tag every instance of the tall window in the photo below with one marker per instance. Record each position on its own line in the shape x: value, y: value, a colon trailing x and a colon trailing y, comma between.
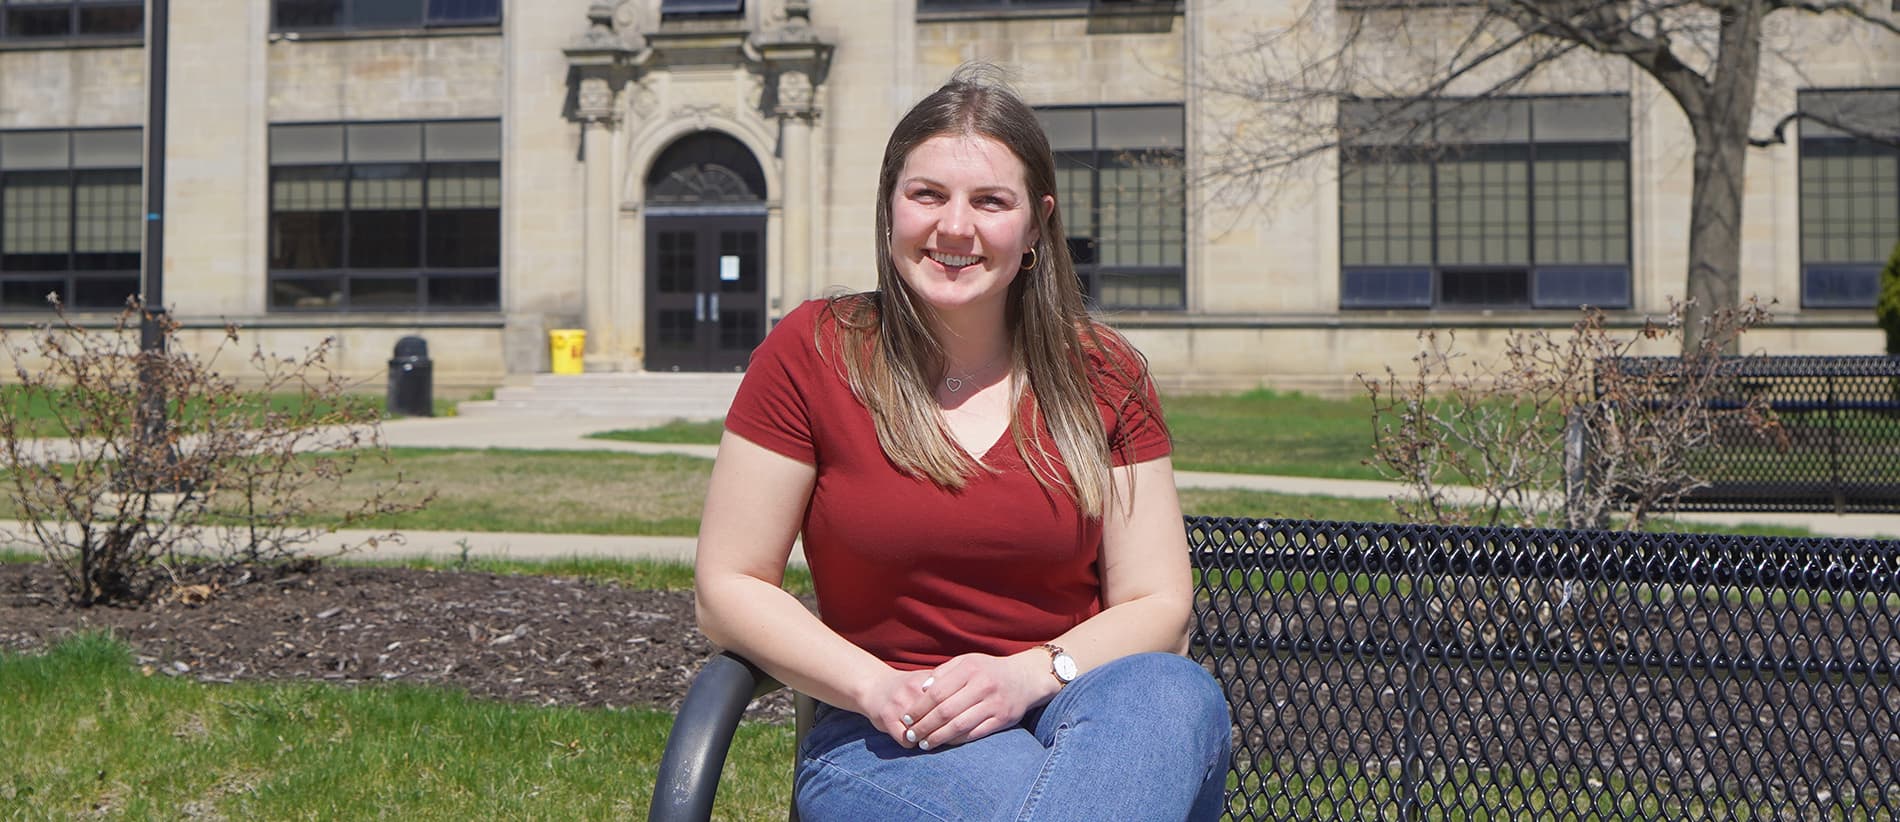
x: 308, y: 15
x: 1120, y: 181
x: 50, y: 19
x: 1850, y: 194
x: 1508, y: 203
x: 69, y: 218
x: 386, y: 216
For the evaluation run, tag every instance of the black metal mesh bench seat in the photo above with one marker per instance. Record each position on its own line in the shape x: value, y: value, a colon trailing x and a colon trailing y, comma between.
x: 1420, y: 672
x: 1834, y: 444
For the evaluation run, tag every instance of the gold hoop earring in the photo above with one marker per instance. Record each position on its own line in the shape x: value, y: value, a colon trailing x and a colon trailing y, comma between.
x: 1033, y: 259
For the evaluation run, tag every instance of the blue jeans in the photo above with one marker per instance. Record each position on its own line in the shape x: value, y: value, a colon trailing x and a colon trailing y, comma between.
x: 1146, y: 737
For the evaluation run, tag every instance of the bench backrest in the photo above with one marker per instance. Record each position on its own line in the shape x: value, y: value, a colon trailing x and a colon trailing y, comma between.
x: 1834, y: 446
x: 1391, y: 671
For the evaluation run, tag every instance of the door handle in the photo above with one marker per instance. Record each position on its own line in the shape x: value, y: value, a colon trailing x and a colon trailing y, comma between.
x: 699, y: 307
x: 715, y: 306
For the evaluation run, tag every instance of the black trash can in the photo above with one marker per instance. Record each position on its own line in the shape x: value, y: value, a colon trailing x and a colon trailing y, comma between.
x: 412, y: 379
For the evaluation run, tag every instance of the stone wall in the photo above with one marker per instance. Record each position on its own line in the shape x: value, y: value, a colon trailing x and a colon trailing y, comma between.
x: 1263, y: 258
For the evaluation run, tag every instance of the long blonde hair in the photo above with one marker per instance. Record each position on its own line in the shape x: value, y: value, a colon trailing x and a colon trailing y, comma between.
x: 891, y: 358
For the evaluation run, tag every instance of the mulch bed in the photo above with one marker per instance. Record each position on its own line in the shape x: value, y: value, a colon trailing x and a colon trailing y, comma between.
x: 529, y: 639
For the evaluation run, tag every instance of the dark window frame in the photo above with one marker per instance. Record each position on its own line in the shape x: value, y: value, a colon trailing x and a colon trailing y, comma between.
x: 426, y: 19
x: 933, y: 6
x: 1092, y: 273
x: 347, y: 279
x: 76, y: 13
x: 701, y: 8
x: 1428, y: 289
x: 1405, y: 5
x: 963, y: 8
x: 71, y: 279
x: 1817, y: 275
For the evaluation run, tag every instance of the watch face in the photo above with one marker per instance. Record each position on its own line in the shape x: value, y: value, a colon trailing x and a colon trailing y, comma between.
x: 1064, y: 667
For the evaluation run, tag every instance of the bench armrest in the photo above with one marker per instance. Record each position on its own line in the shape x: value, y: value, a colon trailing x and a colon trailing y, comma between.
x: 702, y: 734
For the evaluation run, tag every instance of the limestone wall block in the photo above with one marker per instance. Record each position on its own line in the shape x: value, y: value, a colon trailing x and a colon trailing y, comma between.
x: 54, y: 88
x: 386, y: 79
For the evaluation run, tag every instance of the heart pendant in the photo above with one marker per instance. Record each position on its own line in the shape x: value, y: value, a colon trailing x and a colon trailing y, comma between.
x: 953, y: 384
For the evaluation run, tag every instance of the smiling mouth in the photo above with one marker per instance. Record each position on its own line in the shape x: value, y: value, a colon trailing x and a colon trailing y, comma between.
x: 953, y: 260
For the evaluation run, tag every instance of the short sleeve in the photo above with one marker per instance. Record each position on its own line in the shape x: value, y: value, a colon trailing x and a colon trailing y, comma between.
x: 771, y: 408
x: 1131, y: 409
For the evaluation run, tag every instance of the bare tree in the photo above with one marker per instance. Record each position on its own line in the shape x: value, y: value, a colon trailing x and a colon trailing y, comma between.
x: 1434, y: 61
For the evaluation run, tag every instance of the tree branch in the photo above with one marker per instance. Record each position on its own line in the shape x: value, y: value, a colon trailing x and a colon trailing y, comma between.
x: 1614, y: 35
x: 1779, y: 135
x: 1845, y: 7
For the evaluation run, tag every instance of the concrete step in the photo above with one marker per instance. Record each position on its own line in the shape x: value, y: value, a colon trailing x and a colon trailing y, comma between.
x: 649, y: 395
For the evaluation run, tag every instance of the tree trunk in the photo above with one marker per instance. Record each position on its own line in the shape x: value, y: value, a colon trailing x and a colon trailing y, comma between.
x: 1721, y: 154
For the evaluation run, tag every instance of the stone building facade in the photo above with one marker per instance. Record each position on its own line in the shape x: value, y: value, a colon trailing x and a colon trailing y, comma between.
x: 673, y: 175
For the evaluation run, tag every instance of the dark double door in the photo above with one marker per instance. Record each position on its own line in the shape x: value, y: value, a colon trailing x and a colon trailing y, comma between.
x: 705, y: 291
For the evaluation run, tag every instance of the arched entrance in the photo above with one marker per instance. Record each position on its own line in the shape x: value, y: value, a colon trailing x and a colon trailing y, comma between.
x: 705, y: 255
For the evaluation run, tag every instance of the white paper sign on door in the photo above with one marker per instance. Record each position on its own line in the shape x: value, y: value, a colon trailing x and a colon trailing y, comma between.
x: 729, y: 268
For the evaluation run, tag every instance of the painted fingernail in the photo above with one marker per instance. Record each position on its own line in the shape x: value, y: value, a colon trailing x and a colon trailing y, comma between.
x: 928, y: 681
x: 908, y: 720
x: 911, y: 736
x: 924, y: 744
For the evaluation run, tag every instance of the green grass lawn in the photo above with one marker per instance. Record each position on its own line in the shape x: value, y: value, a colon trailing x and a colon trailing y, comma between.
x: 83, y: 734
x: 39, y: 410
x: 573, y: 492
x: 1269, y: 432
x: 1259, y: 432
x: 596, y: 492
x: 578, y: 492
x: 689, y: 432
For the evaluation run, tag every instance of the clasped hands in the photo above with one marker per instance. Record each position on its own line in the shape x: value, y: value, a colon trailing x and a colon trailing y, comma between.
x: 964, y: 699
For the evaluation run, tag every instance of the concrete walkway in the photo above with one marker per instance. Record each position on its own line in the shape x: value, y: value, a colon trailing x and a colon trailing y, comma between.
x: 571, y: 434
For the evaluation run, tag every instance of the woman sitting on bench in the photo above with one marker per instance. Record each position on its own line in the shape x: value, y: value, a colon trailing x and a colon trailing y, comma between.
x: 980, y: 473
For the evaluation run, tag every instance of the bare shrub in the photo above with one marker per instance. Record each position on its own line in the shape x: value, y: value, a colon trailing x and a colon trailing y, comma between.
x: 1557, y: 432
x: 139, y: 457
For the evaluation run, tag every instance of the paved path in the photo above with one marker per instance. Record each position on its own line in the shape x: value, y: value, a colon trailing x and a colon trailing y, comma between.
x: 571, y: 434
x: 465, y: 432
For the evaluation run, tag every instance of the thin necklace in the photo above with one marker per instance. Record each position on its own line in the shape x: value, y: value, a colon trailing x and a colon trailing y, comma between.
x: 955, y: 384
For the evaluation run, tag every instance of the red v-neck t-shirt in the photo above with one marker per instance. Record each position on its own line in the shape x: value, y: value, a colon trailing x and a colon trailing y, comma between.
x: 907, y: 570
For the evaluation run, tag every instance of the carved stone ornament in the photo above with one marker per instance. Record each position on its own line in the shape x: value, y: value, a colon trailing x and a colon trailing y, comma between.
x: 794, y: 94
x: 627, y: 16
x: 702, y: 114
x: 596, y: 103
x: 642, y: 100
x: 600, y: 32
x: 796, y: 56
x: 603, y: 58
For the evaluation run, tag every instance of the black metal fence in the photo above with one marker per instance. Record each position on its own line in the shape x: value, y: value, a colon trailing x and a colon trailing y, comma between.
x: 1423, y: 672
x: 1834, y: 445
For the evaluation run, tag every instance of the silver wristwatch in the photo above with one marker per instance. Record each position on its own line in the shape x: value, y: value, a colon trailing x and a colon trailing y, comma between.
x: 1061, y: 665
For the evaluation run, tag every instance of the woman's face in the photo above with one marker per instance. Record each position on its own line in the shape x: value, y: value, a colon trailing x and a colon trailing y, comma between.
x: 961, y: 221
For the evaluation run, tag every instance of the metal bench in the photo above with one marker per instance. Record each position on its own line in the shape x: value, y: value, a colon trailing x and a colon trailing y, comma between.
x: 1423, y: 672
x: 1835, y: 446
